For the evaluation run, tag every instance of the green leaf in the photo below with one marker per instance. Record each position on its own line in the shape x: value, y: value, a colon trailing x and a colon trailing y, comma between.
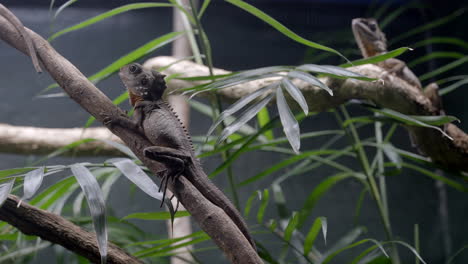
x: 248, y: 205
x: 333, y: 254
x: 156, y: 215
x: 285, y: 163
x: 317, y: 193
x: 408, y: 120
x: 319, y: 223
x: 281, y: 28
x: 377, y: 58
x: 290, y: 124
x: 435, y: 55
x: 292, y: 224
x: 449, y: 261
x: 432, y: 24
x: 435, y: 176
x: 62, y: 7
x: 442, y: 40
x: 264, y: 203
x: 105, y: 15
x: 203, y: 8
x: 444, y: 68
x: 10, y: 172
x: 452, y: 87
x: 263, y: 118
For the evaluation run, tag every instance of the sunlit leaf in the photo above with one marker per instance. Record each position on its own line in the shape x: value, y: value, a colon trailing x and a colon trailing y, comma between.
x: 136, y: 175
x: 290, y: 124
x: 263, y: 118
x: 62, y: 7
x: 248, y: 114
x: 335, y: 71
x: 5, y: 189
x: 96, y: 204
x: 296, y: 94
x: 281, y: 28
x: 238, y: 106
x: 105, y: 15
x: 310, y: 79
x: 392, y: 154
x: 32, y: 182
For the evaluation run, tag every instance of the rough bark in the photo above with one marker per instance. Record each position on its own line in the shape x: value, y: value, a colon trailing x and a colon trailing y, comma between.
x: 392, y: 93
x: 212, y: 220
x: 31, y: 220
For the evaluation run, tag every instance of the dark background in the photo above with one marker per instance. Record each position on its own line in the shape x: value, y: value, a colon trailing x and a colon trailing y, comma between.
x: 240, y: 41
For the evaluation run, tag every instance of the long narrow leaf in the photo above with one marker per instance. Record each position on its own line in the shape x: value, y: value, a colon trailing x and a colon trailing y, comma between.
x: 105, y: 15
x: 296, y: 94
x: 245, y: 117
x: 428, y: 26
x: 136, y: 175
x: 290, y: 124
x: 281, y: 28
x: 319, y: 223
x: 32, y: 182
x: 453, y: 87
x: 317, y: 193
x: 377, y: 58
x: 96, y: 204
x: 5, y: 189
x: 292, y: 224
x: 444, y: 68
x: 335, y: 71
x: 261, y: 211
x: 310, y: 79
x: 237, y: 106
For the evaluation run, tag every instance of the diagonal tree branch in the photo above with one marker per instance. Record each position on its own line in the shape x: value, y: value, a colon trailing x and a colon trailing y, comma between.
x: 31, y: 220
x: 212, y: 219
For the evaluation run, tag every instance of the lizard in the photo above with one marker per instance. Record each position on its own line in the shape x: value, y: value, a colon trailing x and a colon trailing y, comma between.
x: 154, y: 119
x: 371, y: 41
x: 10, y: 17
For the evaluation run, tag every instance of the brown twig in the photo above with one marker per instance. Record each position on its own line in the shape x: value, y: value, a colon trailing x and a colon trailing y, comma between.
x: 212, y: 219
x: 31, y: 220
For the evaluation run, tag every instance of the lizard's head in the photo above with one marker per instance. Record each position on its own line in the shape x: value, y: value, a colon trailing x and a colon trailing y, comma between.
x: 370, y: 39
x: 142, y: 84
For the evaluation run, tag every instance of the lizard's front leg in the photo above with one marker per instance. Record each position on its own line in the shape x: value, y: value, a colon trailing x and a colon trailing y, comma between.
x: 121, y: 120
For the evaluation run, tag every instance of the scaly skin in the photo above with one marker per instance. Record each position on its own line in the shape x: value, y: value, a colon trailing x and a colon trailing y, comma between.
x: 155, y: 119
x: 371, y: 41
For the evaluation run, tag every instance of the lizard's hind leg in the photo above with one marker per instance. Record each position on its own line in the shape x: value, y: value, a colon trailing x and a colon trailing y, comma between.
x: 173, y: 159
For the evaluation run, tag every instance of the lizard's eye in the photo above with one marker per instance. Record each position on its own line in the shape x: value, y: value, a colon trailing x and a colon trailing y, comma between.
x: 372, y: 27
x: 133, y: 68
x: 144, y: 81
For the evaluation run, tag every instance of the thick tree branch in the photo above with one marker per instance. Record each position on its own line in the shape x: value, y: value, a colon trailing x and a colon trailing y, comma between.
x: 211, y: 218
x: 43, y: 141
x: 393, y: 93
x: 31, y: 220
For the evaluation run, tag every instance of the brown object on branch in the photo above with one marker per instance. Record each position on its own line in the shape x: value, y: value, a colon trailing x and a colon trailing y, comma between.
x: 393, y: 93
x: 43, y: 141
x: 31, y: 220
x: 213, y: 220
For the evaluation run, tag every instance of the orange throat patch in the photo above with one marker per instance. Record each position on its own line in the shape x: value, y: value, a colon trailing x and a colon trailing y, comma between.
x: 134, y: 98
